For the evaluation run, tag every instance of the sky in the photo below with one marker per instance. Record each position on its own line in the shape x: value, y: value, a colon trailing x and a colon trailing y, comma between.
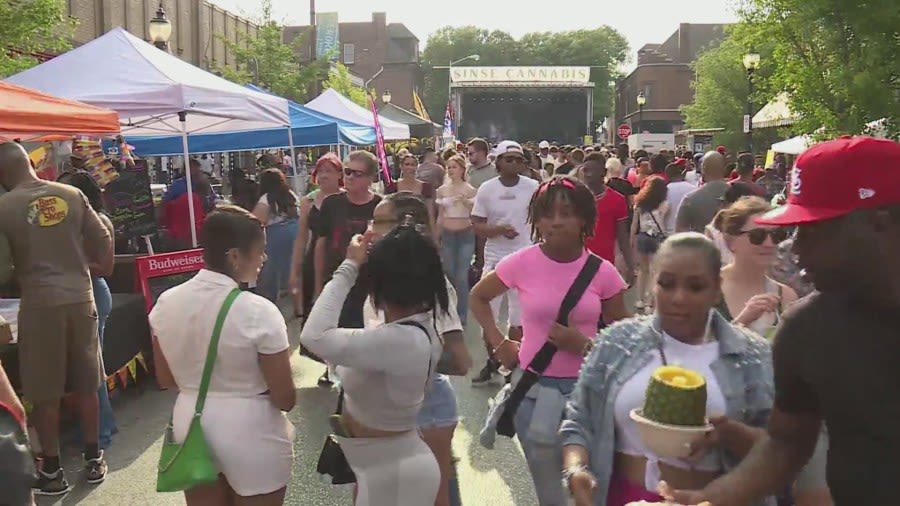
x: 640, y: 21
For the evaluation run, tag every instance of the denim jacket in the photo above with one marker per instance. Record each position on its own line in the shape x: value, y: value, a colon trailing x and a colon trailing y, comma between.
x: 743, y: 371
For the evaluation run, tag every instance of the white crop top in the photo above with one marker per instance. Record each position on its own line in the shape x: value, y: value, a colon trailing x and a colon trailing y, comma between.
x: 384, y: 370
x: 628, y: 441
x: 454, y: 203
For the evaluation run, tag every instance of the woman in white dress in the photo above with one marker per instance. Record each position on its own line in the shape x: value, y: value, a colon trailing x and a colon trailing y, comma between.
x: 251, y: 387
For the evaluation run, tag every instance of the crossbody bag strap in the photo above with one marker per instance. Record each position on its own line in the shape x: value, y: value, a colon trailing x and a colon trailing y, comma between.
x: 543, y: 357
x: 410, y: 323
x: 213, y: 349
x: 661, y: 232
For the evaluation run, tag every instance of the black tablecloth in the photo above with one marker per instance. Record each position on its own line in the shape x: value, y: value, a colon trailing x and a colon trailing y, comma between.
x: 127, y: 333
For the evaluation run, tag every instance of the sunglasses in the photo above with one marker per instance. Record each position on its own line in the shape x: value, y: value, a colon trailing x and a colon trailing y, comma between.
x: 354, y: 173
x: 757, y: 236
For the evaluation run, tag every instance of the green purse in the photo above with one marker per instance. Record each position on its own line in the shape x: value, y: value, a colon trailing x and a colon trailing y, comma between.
x: 186, y: 465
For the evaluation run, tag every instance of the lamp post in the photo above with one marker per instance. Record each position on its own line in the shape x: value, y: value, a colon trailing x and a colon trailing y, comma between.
x: 160, y: 29
x: 751, y: 64
x: 473, y: 57
x: 386, y: 97
x: 641, y: 100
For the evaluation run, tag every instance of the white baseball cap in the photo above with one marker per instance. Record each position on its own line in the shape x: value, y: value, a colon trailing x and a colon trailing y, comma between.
x: 508, y: 147
x: 544, y: 145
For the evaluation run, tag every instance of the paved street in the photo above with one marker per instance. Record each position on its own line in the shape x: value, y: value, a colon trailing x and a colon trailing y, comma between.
x: 495, y: 477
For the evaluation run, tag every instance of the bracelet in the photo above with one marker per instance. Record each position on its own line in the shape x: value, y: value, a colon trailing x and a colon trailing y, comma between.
x: 504, y: 341
x: 572, y: 471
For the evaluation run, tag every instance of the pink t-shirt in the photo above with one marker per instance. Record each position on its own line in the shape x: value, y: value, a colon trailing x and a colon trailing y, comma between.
x: 542, y: 284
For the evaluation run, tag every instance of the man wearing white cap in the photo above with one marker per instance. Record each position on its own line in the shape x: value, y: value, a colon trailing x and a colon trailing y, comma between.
x: 546, y: 157
x: 500, y: 215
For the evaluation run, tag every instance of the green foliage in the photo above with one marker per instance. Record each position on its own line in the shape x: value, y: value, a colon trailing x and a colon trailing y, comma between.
x: 721, y: 88
x: 836, y: 61
x: 270, y: 63
x: 339, y: 80
x: 31, y: 26
x: 603, y: 48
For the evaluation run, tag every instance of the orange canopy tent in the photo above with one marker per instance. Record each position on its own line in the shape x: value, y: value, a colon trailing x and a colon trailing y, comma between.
x: 27, y: 114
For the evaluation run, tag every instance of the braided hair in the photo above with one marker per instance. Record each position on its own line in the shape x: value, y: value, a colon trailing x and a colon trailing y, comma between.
x: 568, y: 189
x: 404, y: 266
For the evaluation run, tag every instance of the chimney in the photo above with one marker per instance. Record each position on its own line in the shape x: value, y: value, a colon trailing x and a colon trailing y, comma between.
x: 379, y: 23
x: 684, y: 43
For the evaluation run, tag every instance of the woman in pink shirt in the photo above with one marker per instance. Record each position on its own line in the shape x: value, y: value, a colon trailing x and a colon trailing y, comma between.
x: 562, y: 216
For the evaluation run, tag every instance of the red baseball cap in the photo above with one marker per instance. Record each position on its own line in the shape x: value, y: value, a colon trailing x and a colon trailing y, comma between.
x: 835, y: 178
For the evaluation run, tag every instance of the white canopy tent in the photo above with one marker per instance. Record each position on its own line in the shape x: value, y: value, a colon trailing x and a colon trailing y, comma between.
x: 794, y: 145
x: 334, y: 104
x: 154, y: 92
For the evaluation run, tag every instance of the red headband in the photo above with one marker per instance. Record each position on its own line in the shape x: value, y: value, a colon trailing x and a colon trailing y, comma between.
x: 563, y: 181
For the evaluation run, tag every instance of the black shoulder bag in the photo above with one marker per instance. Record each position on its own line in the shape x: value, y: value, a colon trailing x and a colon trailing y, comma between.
x: 532, y: 373
x: 332, y: 461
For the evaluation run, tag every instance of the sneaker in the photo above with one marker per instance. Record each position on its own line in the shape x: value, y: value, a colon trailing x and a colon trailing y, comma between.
x: 324, y: 380
x: 95, y: 469
x: 50, y: 484
x: 486, y: 376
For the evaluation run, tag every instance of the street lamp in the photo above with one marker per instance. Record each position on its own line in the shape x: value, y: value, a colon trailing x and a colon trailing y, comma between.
x: 751, y: 64
x: 386, y: 96
x: 160, y: 29
x: 641, y: 100
x: 473, y: 57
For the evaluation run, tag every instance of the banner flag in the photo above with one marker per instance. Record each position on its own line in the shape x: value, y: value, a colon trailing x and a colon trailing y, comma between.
x: 379, y: 149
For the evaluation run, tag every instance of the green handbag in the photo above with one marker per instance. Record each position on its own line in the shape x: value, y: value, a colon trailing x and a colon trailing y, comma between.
x: 186, y: 465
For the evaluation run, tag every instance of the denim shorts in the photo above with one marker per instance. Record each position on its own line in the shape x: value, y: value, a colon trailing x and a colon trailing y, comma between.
x: 439, y: 407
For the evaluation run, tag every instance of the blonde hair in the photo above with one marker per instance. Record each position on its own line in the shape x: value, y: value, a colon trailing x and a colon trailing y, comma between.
x: 459, y: 160
x: 733, y: 218
x: 614, y: 168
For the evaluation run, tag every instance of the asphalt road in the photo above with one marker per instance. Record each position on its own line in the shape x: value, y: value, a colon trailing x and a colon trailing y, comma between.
x: 487, y: 477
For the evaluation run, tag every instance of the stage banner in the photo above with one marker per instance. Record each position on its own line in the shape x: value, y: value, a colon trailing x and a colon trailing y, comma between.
x: 328, y: 35
x: 379, y: 148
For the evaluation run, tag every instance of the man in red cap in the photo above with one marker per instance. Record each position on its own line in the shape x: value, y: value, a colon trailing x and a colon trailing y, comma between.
x: 836, y: 351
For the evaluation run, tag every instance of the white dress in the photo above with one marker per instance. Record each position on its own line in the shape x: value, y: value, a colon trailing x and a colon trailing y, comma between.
x: 250, y: 439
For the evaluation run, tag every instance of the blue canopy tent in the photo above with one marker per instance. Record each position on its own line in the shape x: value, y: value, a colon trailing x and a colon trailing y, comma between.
x: 308, y: 128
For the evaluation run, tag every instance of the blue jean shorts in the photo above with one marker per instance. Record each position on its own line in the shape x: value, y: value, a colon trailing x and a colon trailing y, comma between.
x: 439, y: 407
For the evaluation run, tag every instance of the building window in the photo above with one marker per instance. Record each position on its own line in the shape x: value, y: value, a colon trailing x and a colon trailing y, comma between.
x: 349, y: 54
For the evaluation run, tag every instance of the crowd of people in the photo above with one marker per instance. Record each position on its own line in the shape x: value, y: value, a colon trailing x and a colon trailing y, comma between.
x: 777, y: 286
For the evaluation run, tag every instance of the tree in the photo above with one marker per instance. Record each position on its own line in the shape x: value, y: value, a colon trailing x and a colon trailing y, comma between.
x: 31, y: 27
x: 270, y: 63
x: 604, y: 49
x: 837, y: 60
x: 339, y: 80
x: 721, y: 88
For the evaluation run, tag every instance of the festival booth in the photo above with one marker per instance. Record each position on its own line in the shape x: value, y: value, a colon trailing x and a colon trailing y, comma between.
x: 419, y: 127
x: 308, y: 128
x: 336, y: 105
x: 31, y: 115
x: 154, y: 94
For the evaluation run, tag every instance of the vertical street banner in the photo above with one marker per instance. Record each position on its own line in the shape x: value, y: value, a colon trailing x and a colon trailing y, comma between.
x: 379, y: 148
x: 327, y: 36
x: 448, y: 122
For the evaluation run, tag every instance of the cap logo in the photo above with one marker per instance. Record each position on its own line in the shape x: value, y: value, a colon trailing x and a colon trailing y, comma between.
x: 866, y: 193
x: 795, y: 181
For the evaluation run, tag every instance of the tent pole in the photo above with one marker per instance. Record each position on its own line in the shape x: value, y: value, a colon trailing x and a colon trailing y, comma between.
x: 182, y: 117
x: 293, y: 155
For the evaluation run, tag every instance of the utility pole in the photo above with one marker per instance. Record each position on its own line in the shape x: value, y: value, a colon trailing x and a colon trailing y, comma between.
x: 312, y: 43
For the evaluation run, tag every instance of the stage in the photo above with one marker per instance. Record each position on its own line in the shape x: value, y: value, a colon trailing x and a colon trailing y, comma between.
x: 523, y: 103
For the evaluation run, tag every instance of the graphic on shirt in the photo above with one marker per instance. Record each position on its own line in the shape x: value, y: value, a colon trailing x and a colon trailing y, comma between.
x: 47, y: 211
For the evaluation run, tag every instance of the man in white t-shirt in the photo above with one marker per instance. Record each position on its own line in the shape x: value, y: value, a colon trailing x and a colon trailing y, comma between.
x: 500, y: 215
x: 676, y: 190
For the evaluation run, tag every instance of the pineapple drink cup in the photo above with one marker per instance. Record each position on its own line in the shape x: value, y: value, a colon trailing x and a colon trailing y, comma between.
x: 674, y: 412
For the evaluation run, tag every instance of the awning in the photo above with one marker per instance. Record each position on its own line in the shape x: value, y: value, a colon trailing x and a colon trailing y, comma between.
x: 31, y: 115
x: 776, y: 113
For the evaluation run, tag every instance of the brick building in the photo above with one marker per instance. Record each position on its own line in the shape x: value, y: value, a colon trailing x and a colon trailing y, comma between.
x: 197, y: 26
x: 385, y: 53
x: 664, y: 73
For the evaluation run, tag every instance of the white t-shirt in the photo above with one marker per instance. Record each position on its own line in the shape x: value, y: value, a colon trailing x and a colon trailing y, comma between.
x: 695, y: 357
x: 675, y: 194
x: 505, y: 205
x: 183, y: 320
x: 273, y: 218
x: 287, y: 161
